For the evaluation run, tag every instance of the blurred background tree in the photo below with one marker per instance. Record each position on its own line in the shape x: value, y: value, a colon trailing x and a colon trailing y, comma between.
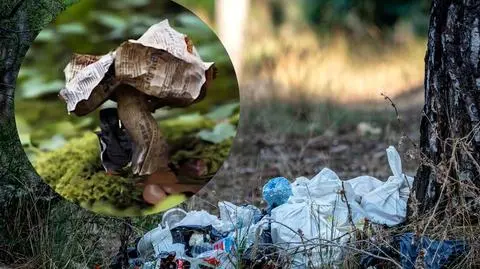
x: 328, y: 14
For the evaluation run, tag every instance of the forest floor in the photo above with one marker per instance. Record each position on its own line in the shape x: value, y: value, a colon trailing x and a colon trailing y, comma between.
x: 293, y: 140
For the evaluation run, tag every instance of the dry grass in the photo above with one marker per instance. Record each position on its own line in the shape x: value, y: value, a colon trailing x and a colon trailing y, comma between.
x: 339, y: 68
x: 455, y: 215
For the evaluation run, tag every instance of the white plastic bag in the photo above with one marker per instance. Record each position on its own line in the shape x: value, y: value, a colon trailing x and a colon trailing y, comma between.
x: 388, y: 203
x: 335, y: 199
x: 362, y: 185
x: 306, y: 218
x: 200, y: 218
x: 299, y: 190
x: 235, y: 216
x: 155, y: 241
x: 325, y: 186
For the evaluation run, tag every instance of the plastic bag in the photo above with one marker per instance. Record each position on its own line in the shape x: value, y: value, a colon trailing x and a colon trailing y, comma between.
x: 335, y: 199
x: 363, y: 185
x: 325, y: 186
x: 299, y: 188
x: 388, y: 203
x: 277, y: 191
x: 438, y: 253
x: 155, y: 241
x: 200, y: 218
x: 236, y: 217
x: 217, y: 259
x: 291, y: 219
x: 257, y: 213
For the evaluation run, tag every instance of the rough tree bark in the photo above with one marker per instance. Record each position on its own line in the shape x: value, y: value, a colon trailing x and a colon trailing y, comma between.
x: 20, y: 186
x: 449, y: 133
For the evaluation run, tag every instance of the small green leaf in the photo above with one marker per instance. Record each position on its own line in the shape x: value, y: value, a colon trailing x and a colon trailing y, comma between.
x: 36, y: 87
x: 54, y: 143
x: 74, y: 28
x: 47, y: 35
x: 125, y: 4
x: 27, y: 72
x: 187, y: 118
x: 222, y: 112
x: 220, y: 133
x: 109, y: 20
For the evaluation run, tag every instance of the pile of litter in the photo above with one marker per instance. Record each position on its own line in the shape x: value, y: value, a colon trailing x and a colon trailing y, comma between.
x: 306, y: 225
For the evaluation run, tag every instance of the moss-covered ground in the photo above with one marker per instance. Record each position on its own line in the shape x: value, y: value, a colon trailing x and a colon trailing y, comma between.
x: 74, y: 169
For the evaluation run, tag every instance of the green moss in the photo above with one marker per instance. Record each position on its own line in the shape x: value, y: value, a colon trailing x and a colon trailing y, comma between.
x: 212, y: 154
x: 75, y: 171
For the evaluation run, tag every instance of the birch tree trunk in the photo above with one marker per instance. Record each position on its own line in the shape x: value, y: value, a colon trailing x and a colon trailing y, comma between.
x: 449, y: 177
x: 231, y: 20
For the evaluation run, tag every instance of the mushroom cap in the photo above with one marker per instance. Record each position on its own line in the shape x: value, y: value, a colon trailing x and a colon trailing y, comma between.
x: 89, y: 82
x: 162, y: 64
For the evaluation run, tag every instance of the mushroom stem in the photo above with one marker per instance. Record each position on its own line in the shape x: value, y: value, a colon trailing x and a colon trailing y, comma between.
x: 150, y: 153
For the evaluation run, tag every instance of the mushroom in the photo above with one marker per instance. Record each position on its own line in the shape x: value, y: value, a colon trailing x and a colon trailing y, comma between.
x: 161, y: 68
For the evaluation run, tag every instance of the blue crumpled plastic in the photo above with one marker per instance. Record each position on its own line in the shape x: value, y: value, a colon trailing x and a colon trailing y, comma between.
x: 438, y: 253
x: 277, y: 191
x: 257, y: 213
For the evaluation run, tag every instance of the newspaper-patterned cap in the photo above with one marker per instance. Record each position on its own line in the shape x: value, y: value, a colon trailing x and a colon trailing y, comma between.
x: 90, y: 81
x: 162, y: 63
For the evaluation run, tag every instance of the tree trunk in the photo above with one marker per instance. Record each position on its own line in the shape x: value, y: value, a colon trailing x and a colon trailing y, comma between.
x: 448, y: 179
x: 231, y: 21
x: 25, y: 200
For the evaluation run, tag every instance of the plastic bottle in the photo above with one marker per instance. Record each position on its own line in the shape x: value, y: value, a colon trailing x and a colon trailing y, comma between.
x: 200, y: 248
x: 172, y: 217
x: 226, y: 244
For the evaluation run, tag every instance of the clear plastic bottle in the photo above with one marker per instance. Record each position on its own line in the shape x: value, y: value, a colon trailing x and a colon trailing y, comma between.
x: 200, y: 248
x: 226, y: 244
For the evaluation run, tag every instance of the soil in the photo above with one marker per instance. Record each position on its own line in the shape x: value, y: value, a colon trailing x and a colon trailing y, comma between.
x: 259, y: 155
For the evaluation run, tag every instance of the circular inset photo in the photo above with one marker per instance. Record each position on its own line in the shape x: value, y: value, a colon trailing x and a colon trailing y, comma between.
x: 123, y: 113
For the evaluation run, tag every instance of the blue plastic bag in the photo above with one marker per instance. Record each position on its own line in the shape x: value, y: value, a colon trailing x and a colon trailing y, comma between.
x: 277, y: 191
x: 438, y: 253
